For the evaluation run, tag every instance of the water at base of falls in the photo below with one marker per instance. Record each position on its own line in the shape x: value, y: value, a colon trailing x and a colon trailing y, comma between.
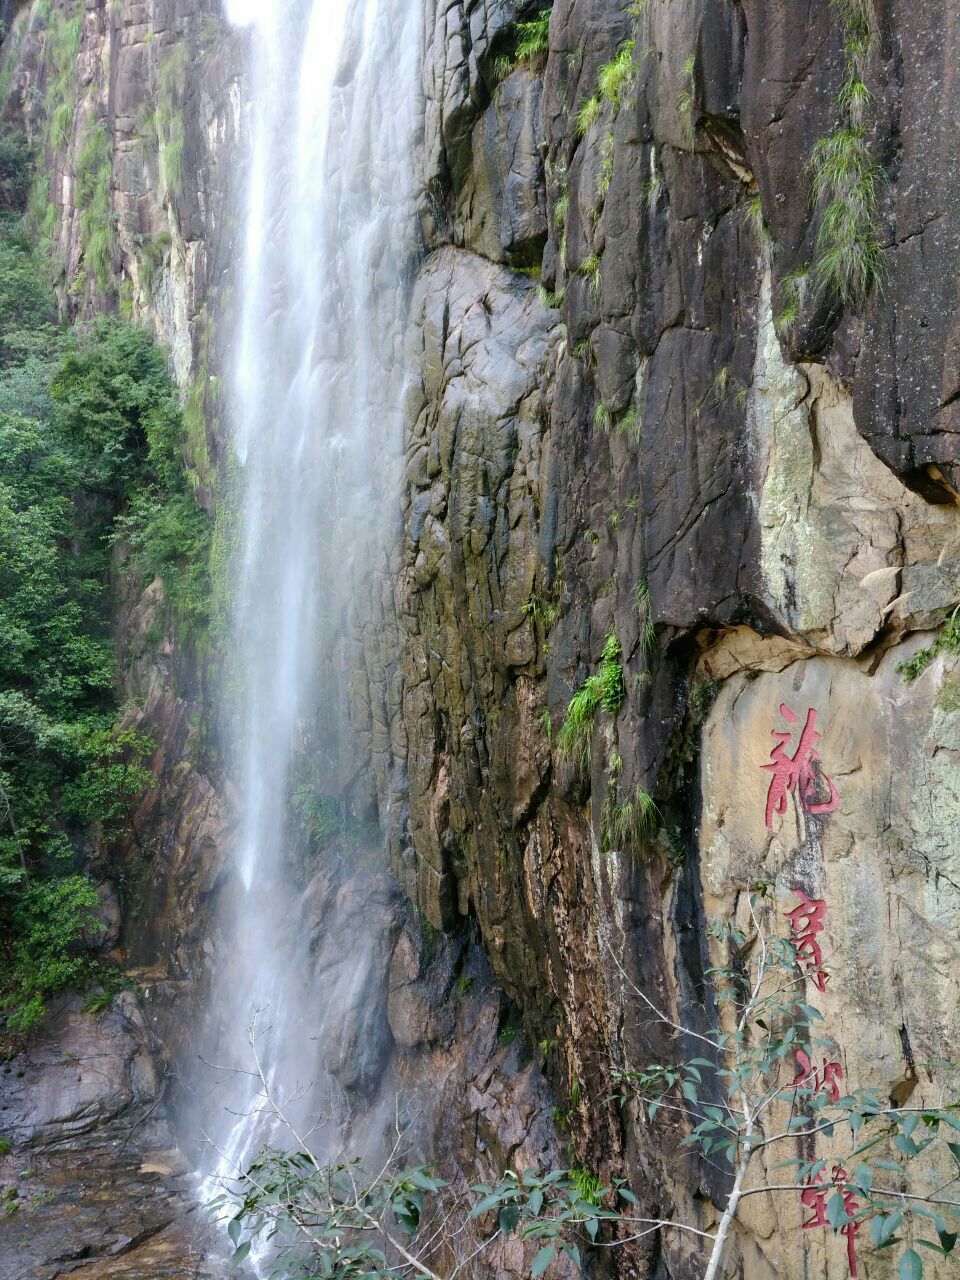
x: 314, y: 410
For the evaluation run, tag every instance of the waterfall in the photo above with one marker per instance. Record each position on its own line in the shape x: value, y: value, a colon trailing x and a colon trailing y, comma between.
x: 314, y: 406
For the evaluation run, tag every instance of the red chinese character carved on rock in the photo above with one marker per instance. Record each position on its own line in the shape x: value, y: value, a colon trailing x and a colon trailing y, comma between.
x: 806, y: 921
x: 851, y: 1205
x: 814, y: 1197
x: 799, y: 773
x: 820, y: 1080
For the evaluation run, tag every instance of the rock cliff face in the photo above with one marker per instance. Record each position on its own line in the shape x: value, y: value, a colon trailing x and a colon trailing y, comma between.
x: 648, y: 395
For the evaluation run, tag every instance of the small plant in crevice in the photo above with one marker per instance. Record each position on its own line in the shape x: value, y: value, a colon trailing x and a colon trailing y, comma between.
x: 167, y: 120
x: 614, y: 80
x: 846, y: 178
x: 627, y: 824
x: 606, y: 165
x: 589, y: 1186
x: 552, y: 299
x: 604, y: 690
x: 685, y: 99
x: 539, y: 611
x: 630, y: 424
x: 533, y: 38
x: 948, y: 641
x: 590, y: 269
x: 648, y: 632
x: 588, y: 115
x: 617, y: 75
x: 703, y: 694
x: 94, y: 174
x: 793, y: 291
x: 758, y: 226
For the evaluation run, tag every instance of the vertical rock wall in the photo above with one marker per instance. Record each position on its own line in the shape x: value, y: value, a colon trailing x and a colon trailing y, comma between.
x: 671, y: 423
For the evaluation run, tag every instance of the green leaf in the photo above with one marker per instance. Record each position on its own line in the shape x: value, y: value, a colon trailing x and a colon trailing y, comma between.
x: 487, y: 1203
x: 543, y: 1260
x: 240, y: 1254
x: 947, y: 1239
x: 888, y: 1226
x: 233, y: 1230
x: 509, y: 1217
x: 863, y: 1177
x: 911, y: 1266
x: 836, y: 1213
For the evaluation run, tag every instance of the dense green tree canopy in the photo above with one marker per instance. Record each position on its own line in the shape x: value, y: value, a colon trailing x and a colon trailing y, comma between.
x: 90, y: 456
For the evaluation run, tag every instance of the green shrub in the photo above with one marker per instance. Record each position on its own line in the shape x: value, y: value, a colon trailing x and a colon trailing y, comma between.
x: 15, y: 161
x: 47, y: 919
x: 533, y: 37
x: 91, y: 442
x: 604, y: 690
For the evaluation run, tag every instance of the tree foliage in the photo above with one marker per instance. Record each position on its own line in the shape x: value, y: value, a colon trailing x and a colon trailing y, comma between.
x: 90, y: 430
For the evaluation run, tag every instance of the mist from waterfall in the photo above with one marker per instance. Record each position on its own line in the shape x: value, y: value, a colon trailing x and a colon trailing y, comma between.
x: 314, y: 406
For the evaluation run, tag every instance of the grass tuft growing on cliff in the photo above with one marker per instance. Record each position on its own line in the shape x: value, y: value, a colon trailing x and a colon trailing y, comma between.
x: 626, y: 825
x: 847, y: 180
x: 588, y: 115
x: 167, y: 119
x: 617, y: 75
x: 686, y: 100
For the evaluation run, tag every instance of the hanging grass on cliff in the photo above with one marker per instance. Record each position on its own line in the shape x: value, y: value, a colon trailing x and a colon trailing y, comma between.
x: 90, y: 431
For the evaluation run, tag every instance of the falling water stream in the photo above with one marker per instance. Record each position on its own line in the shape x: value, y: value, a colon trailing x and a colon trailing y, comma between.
x: 314, y: 400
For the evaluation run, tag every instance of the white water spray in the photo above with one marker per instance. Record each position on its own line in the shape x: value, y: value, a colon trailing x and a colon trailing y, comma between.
x: 315, y: 411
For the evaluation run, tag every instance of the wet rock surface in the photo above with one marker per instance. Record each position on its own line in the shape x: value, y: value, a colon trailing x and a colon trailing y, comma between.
x: 93, y: 1183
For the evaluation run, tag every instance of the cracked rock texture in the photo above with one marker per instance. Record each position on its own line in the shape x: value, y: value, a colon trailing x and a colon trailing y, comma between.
x: 611, y: 426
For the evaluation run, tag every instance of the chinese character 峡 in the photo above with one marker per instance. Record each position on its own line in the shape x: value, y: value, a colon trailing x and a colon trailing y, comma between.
x: 814, y: 1197
x: 800, y: 772
x: 806, y: 921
